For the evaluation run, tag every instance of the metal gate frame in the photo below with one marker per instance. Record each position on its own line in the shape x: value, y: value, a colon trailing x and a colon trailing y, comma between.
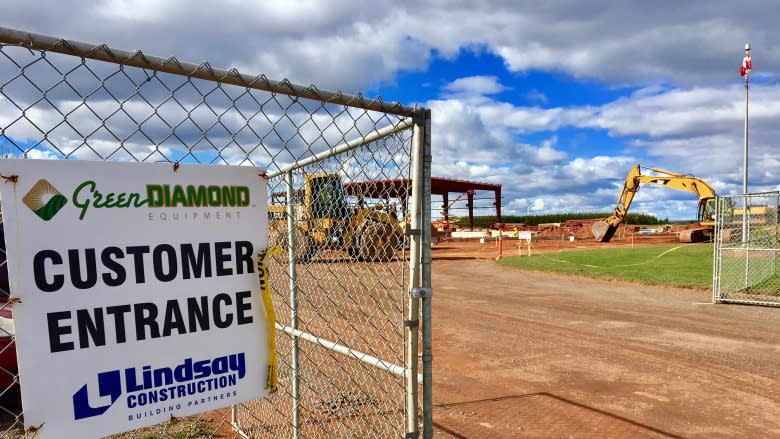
x: 419, y: 260
x: 745, y: 249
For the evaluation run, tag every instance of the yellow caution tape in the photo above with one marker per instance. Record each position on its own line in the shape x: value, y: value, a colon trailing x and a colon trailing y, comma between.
x: 619, y: 266
x: 262, y: 273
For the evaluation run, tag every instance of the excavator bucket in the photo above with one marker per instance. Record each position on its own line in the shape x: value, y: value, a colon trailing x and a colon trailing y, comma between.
x: 603, y: 231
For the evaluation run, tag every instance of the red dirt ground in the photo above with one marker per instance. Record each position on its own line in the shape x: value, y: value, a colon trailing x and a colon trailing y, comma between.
x: 524, y: 354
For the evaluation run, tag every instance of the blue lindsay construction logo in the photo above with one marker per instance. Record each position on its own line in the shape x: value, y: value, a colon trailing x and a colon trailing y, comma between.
x: 147, y: 386
x: 109, y: 384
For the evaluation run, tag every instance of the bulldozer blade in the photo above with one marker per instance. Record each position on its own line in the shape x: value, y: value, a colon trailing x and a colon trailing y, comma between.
x: 603, y: 231
x: 696, y: 235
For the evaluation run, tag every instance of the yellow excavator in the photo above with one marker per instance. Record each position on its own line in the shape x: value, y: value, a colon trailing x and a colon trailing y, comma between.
x: 604, y: 229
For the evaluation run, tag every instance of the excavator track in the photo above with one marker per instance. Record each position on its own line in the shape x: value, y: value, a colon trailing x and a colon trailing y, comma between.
x: 702, y: 234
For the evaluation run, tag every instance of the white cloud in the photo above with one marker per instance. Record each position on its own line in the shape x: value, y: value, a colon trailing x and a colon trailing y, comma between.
x: 687, y: 114
x: 474, y: 85
x: 536, y: 96
x: 542, y: 155
x: 149, y: 11
x: 707, y: 144
x: 537, y: 206
x: 460, y: 132
x: 697, y: 131
x: 350, y: 61
x: 343, y: 43
x: 37, y: 154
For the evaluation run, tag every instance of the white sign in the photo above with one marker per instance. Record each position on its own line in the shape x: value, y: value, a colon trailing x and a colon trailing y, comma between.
x: 138, y: 288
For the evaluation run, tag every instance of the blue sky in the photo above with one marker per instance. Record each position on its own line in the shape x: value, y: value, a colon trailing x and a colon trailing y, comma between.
x: 554, y: 100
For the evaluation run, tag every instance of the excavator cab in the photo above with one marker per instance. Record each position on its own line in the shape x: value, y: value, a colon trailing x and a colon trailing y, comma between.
x: 707, y: 211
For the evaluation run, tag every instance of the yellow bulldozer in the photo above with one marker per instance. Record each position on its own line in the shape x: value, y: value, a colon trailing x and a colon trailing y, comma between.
x: 324, y: 220
x: 604, y: 229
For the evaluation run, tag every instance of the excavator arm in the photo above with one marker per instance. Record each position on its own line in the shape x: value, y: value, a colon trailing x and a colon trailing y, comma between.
x: 605, y: 229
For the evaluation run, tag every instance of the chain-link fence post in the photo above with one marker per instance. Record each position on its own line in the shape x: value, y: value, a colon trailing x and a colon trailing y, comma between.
x: 416, y: 278
x: 427, y: 354
x: 291, y: 260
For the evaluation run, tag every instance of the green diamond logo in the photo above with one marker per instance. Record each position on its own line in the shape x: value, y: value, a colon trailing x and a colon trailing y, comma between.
x: 45, y: 200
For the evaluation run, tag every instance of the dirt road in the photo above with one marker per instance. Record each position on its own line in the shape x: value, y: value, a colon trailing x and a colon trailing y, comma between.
x: 525, y: 354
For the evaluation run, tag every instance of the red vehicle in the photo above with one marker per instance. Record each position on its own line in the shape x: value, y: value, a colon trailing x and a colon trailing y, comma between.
x: 8, y: 367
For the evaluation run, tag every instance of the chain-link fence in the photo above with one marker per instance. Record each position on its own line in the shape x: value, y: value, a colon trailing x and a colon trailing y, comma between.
x: 746, y: 249
x: 348, y: 192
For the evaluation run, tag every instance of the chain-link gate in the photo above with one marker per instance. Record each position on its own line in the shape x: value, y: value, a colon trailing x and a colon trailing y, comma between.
x: 746, y: 249
x: 348, y: 191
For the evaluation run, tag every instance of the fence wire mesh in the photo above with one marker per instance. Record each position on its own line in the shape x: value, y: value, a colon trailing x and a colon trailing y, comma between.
x: 339, y: 191
x: 746, y: 249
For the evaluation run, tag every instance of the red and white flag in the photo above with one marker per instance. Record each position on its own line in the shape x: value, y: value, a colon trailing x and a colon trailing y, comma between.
x: 747, y: 66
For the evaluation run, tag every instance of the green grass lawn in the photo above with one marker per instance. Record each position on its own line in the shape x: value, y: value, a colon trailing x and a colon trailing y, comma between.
x: 678, y: 265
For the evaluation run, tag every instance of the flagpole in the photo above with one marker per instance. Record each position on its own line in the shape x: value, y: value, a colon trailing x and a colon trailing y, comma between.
x: 745, y: 201
x: 747, y: 66
x: 745, y: 154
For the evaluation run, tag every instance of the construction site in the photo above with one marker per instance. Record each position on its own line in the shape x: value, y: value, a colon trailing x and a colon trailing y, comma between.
x: 600, y: 229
